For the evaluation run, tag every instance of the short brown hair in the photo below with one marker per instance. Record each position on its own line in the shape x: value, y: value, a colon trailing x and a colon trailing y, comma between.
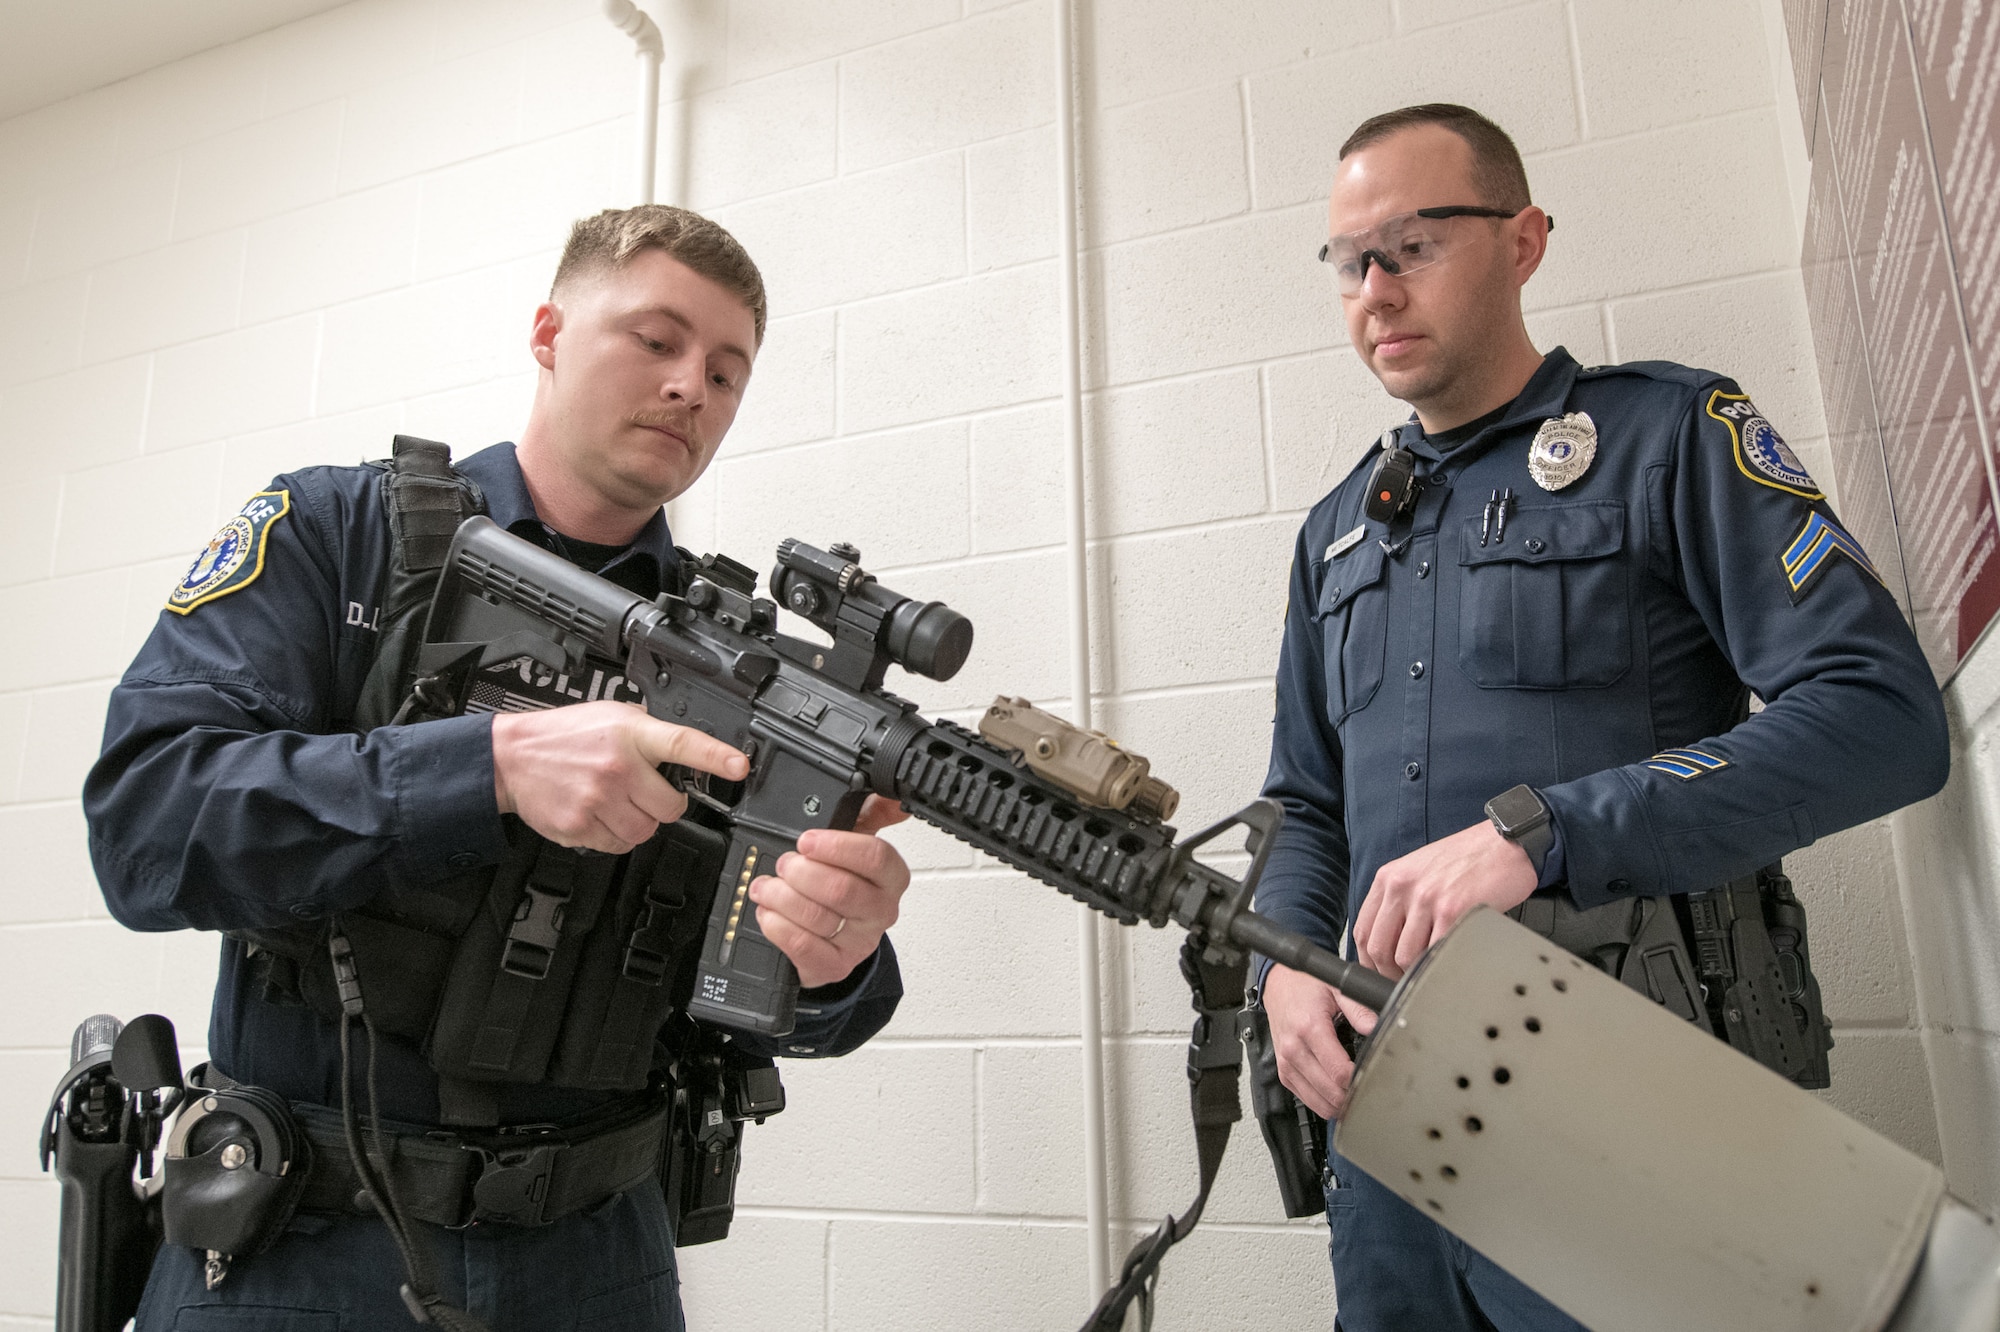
x: 1497, y: 172
x: 610, y: 239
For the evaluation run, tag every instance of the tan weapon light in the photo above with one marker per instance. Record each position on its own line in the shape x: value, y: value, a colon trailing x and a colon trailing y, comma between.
x: 1087, y: 764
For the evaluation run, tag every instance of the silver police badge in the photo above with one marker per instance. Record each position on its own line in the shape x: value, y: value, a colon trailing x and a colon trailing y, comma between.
x: 1562, y: 450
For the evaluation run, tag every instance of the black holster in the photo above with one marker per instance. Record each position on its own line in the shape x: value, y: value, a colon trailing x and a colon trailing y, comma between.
x: 1732, y: 960
x: 1756, y: 969
x: 717, y: 1089
x: 92, y: 1137
x: 108, y: 1234
x: 1294, y: 1135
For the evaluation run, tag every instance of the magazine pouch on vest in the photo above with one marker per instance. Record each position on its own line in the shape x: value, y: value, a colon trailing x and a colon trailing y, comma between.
x: 639, y: 966
x: 511, y: 973
x: 573, y: 962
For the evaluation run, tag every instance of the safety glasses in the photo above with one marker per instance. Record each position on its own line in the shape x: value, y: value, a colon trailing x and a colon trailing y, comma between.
x: 1402, y: 244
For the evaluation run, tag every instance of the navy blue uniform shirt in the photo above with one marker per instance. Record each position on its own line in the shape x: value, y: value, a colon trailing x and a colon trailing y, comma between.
x: 232, y: 793
x: 1596, y: 651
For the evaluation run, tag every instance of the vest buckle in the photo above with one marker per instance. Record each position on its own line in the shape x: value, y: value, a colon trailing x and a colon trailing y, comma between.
x: 537, y: 929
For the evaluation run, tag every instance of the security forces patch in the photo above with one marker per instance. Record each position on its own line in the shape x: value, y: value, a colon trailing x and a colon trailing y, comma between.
x: 234, y: 556
x: 1686, y: 764
x: 1813, y: 549
x: 1761, y: 454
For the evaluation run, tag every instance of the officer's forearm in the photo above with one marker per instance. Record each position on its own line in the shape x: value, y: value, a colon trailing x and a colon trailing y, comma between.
x: 198, y: 822
x: 1787, y: 776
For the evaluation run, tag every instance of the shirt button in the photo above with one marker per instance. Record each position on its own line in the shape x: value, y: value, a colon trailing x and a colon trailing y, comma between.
x: 463, y: 860
x: 1618, y: 886
x: 304, y: 910
x: 1413, y: 770
x: 1416, y: 670
x: 1424, y: 569
x: 1535, y: 545
x: 1439, y: 479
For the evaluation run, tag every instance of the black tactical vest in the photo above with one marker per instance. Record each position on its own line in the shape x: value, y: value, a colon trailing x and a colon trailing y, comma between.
x: 556, y: 966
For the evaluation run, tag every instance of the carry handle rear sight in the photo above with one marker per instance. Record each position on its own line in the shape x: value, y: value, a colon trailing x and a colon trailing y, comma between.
x: 871, y: 625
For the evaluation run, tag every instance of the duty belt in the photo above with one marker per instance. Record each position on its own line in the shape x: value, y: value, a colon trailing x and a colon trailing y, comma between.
x: 522, y: 1176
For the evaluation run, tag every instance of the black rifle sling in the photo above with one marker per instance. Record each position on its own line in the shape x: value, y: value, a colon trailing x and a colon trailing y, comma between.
x: 1215, y: 1065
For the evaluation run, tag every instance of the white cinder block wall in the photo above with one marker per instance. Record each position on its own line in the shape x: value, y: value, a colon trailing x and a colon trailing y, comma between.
x: 285, y: 250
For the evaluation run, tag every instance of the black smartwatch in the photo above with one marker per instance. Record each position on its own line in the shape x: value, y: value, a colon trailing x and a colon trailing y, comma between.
x: 1523, y: 818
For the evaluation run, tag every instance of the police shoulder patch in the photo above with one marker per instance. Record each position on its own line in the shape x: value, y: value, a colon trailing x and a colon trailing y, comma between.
x: 1761, y: 454
x: 1813, y: 549
x: 234, y: 556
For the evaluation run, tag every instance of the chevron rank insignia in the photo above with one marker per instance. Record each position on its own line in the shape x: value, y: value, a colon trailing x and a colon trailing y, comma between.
x: 1813, y: 549
x: 234, y: 556
x: 1686, y: 764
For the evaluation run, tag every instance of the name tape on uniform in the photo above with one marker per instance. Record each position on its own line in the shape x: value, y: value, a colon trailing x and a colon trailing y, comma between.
x: 1347, y: 543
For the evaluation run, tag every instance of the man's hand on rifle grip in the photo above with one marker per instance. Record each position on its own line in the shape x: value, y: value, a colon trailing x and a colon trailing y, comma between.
x: 588, y: 775
x: 834, y: 898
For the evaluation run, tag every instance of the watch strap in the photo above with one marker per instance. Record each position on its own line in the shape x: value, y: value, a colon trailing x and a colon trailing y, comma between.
x: 1538, y: 837
x: 1538, y: 841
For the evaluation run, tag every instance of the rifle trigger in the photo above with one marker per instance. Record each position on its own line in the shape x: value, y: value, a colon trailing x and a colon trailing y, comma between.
x: 692, y: 784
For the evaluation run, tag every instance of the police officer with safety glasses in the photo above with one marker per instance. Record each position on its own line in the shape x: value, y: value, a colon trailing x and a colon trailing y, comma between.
x: 1518, y: 652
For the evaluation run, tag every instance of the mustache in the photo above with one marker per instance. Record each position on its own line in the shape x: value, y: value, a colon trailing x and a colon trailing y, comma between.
x: 678, y: 422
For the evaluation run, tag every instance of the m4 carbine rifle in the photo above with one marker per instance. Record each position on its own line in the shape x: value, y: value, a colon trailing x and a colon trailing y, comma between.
x: 1063, y: 805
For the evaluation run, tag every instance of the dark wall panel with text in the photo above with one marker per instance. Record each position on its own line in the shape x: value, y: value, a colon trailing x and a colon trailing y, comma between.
x: 1902, y: 270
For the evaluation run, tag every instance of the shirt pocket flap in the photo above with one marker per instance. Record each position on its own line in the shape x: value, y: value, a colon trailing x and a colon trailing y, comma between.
x: 1346, y: 575
x: 1545, y: 535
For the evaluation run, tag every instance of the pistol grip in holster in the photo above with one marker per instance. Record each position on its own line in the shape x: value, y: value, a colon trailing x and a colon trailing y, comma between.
x: 108, y: 1234
x: 1294, y: 1135
x: 716, y: 1089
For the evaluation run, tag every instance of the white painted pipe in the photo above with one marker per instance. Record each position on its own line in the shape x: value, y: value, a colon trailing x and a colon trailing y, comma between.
x: 1096, y: 1213
x: 645, y: 35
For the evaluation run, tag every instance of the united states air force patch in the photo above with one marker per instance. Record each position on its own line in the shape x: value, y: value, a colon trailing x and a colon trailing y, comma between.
x: 1760, y: 454
x: 234, y: 555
